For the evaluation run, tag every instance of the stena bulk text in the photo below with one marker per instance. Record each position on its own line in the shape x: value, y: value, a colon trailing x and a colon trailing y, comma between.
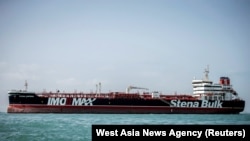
x: 203, y: 104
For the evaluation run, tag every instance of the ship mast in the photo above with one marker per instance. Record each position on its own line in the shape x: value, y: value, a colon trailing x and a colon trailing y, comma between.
x: 206, y: 72
x: 98, y: 88
x: 26, y: 85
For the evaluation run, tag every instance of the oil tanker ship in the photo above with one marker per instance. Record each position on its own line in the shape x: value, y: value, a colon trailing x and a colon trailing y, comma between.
x: 207, y: 98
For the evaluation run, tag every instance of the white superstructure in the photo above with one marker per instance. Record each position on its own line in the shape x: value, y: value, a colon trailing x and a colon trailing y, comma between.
x: 207, y: 90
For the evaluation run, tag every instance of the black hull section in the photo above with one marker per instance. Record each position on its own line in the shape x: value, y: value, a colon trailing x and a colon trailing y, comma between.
x: 31, y: 103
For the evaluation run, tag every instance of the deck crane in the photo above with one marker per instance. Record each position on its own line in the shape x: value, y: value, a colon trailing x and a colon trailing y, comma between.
x: 133, y: 87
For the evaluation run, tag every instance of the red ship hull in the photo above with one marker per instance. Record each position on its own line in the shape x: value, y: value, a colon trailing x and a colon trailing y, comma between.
x: 207, y: 98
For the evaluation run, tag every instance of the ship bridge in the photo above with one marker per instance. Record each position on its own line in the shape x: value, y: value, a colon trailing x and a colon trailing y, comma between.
x: 206, y: 89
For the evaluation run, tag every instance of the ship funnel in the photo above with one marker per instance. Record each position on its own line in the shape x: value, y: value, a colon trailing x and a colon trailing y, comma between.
x: 224, y: 81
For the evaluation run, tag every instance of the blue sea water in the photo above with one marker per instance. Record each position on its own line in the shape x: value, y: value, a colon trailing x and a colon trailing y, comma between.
x: 77, y: 127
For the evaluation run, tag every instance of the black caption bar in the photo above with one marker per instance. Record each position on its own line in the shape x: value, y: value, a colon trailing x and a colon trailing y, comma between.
x: 170, y: 132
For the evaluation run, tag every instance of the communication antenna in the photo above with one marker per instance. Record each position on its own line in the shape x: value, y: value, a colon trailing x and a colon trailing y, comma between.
x: 26, y: 85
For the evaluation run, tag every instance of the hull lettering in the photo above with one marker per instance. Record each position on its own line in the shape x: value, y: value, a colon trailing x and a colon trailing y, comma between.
x: 202, y: 104
x: 75, y: 101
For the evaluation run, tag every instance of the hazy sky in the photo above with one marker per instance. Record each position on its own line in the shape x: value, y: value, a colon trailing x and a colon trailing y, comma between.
x: 157, y: 44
